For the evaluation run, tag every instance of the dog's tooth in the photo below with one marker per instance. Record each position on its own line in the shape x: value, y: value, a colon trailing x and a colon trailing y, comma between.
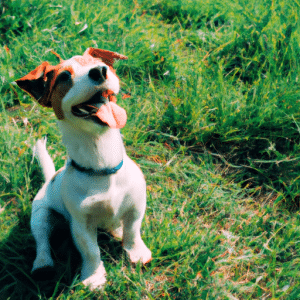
x: 83, y: 110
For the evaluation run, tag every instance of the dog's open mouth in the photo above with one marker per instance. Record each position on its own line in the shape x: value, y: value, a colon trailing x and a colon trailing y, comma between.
x: 89, y: 108
x: 100, y: 111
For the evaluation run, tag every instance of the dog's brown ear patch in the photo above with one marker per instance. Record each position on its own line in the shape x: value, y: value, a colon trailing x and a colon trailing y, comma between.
x: 63, y: 83
x: 48, y: 85
x: 37, y: 83
x: 108, y: 57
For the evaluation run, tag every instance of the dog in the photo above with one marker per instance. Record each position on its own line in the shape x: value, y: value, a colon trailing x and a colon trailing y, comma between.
x: 100, y: 186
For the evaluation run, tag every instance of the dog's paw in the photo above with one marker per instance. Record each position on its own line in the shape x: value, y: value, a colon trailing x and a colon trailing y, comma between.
x: 94, y: 282
x: 42, y: 261
x: 97, y: 280
x: 43, y: 274
x: 117, y: 233
x: 43, y: 268
x: 139, y: 253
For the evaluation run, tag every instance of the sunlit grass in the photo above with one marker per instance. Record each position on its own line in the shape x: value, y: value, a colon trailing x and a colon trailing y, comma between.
x: 213, y: 122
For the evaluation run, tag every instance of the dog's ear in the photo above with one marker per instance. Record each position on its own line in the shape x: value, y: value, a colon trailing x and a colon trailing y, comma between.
x: 108, y: 57
x: 38, y: 83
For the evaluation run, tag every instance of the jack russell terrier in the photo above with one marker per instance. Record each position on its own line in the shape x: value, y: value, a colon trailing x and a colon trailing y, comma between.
x: 100, y: 186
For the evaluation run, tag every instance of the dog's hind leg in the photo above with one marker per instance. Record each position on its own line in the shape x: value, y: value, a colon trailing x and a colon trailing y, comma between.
x: 85, y: 238
x: 41, y: 227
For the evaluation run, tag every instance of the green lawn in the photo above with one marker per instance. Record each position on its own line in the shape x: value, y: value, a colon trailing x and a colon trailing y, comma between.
x: 213, y: 122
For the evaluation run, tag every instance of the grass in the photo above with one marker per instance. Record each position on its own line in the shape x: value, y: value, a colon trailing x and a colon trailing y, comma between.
x: 213, y: 123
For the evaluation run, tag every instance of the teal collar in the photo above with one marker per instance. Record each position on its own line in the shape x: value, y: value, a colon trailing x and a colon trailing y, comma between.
x: 101, y: 172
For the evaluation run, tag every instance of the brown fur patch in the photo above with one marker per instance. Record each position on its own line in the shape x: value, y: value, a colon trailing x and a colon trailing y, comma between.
x: 58, y: 92
x: 86, y: 60
x: 41, y: 83
x: 108, y: 57
x: 35, y: 82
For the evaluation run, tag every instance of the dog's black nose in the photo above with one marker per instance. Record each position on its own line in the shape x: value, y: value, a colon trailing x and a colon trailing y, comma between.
x: 98, y: 74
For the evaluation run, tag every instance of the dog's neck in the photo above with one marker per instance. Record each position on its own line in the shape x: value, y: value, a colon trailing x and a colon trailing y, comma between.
x: 98, y: 152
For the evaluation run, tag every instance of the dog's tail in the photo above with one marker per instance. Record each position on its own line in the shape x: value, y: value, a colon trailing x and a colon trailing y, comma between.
x: 46, y: 163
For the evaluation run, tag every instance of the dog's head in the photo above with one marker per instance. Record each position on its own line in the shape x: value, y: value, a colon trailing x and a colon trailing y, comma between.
x: 80, y: 90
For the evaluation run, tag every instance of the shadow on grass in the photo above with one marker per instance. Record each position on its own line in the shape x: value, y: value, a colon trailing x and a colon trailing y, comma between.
x: 17, y: 253
x: 262, y: 171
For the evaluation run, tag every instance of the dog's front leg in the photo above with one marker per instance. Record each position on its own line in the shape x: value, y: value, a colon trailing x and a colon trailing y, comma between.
x: 132, y: 240
x: 85, y: 237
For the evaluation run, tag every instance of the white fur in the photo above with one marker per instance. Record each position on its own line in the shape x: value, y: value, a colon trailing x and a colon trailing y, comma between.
x: 44, y: 158
x: 114, y: 202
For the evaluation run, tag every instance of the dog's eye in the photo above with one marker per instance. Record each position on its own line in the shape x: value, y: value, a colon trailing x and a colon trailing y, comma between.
x: 64, y: 76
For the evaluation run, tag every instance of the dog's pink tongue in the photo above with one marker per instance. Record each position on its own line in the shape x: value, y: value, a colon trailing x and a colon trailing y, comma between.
x: 112, y: 114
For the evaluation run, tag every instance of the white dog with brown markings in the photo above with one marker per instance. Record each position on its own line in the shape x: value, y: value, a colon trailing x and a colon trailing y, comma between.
x: 100, y: 186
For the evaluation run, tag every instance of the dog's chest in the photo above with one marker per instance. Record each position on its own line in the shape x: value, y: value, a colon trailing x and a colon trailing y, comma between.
x: 103, y: 209
x: 100, y: 204
x: 98, y: 198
